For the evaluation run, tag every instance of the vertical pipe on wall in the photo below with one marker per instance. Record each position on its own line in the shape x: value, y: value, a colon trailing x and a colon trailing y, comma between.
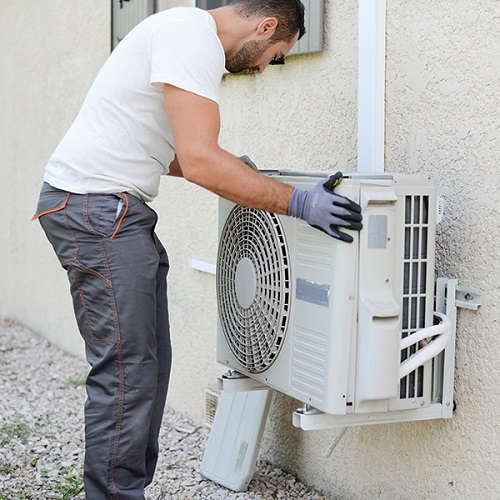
x: 371, y: 85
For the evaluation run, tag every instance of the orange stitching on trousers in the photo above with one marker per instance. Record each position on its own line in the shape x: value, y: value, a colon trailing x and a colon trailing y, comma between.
x: 123, y: 215
x: 37, y: 216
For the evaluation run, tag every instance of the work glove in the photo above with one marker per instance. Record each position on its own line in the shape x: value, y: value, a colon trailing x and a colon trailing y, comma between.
x: 245, y: 159
x: 323, y: 209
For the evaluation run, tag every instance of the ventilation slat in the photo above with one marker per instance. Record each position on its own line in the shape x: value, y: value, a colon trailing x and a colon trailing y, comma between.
x: 414, y: 284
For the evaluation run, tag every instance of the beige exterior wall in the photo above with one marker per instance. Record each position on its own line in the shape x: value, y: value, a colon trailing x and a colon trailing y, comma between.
x: 441, y: 118
x: 50, y: 53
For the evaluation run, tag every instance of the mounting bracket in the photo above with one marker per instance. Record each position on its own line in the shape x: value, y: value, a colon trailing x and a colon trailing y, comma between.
x: 467, y: 297
x: 449, y: 296
x: 233, y: 381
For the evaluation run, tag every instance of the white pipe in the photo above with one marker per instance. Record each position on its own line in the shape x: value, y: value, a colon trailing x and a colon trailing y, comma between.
x: 432, y: 349
x: 200, y: 265
x: 335, y: 442
x: 371, y: 85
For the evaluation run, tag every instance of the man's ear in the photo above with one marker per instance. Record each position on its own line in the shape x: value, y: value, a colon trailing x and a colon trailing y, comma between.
x: 267, y: 27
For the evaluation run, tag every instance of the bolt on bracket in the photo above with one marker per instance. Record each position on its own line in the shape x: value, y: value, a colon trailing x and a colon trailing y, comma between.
x: 467, y: 297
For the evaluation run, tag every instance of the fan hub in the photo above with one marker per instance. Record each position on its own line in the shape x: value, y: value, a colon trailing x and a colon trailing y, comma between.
x: 245, y: 282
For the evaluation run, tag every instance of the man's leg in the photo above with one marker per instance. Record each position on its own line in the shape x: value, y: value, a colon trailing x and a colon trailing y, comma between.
x: 164, y: 356
x: 114, y: 283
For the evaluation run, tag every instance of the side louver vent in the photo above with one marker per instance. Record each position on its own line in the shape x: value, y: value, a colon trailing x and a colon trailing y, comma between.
x: 415, y: 287
x: 253, y: 283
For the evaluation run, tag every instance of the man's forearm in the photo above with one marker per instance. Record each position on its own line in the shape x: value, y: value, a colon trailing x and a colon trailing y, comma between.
x: 227, y: 176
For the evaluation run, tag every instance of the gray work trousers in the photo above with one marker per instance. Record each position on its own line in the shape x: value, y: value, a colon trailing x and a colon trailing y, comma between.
x: 117, y: 270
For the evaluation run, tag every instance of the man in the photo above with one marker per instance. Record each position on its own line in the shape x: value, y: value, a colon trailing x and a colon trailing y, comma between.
x: 159, y: 88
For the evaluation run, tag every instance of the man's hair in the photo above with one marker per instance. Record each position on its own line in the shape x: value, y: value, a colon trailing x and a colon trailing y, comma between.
x: 289, y: 13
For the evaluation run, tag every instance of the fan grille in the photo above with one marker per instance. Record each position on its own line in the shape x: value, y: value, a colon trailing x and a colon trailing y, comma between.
x: 254, y: 304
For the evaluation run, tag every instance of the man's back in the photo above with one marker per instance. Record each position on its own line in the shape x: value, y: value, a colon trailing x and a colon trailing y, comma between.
x: 121, y: 140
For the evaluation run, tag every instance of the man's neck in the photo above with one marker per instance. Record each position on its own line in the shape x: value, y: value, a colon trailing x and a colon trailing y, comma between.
x: 232, y: 29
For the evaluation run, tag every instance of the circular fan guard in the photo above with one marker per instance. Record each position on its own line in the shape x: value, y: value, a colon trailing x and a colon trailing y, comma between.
x: 254, y: 327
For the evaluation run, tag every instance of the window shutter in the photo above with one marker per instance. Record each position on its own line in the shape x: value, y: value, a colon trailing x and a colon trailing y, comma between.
x: 125, y: 15
x: 312, y: 41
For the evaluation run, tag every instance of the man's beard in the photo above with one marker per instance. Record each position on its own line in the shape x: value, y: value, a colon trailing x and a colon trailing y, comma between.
x: 246, y: 57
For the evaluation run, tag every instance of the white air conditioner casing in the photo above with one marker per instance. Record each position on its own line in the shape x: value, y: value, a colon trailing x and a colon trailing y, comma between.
x: 322, y: 320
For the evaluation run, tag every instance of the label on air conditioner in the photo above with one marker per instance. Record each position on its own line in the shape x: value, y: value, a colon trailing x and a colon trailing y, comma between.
x: 313, y: 292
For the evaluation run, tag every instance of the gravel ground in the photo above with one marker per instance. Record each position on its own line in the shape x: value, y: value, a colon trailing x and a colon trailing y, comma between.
x: 41, y: 433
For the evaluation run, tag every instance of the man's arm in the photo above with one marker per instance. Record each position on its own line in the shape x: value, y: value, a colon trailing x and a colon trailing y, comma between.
x: 195, y: 123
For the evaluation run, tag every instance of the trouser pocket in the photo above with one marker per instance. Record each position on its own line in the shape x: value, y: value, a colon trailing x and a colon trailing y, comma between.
x: 72, y: 224
x: 51, y: 213
x: 105, y: 212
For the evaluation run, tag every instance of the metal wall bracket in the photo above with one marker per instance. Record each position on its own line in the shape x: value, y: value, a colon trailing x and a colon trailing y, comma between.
x: 233, y: 381
x: 468, y: 298
x: 449, y: 296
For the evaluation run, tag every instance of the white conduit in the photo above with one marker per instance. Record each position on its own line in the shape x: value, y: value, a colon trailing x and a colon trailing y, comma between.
x: 371, y: 85
x: 441, y: 332
x: 335, y: 442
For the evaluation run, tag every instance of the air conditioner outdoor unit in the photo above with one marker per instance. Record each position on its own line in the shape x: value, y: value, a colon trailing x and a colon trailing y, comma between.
x: 341, y: 327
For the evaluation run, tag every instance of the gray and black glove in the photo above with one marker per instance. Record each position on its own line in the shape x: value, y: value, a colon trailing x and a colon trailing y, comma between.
x: 323, y: 209
x: 247, y: 161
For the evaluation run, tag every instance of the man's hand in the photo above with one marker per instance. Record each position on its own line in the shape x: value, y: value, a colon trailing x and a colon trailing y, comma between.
x: 323, y: 209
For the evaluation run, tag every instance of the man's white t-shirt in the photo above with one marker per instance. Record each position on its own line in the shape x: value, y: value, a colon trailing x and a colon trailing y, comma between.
x: 121, y: 139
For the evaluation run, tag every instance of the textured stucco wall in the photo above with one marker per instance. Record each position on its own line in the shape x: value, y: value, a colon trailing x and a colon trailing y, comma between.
x: 50, y: 53
x: 441, y: 118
